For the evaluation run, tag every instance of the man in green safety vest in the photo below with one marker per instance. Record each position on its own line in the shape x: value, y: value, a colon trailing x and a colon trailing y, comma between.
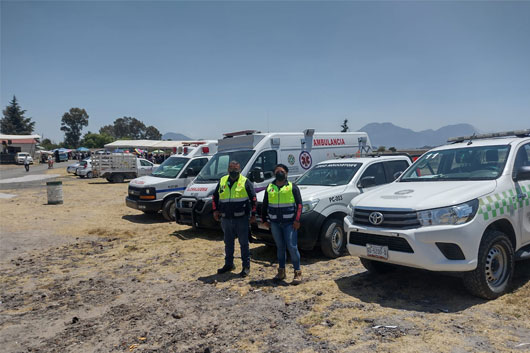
x: 282, y: 207
x: 234, y: 203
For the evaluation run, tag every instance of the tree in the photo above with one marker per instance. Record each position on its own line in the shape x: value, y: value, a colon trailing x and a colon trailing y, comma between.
x: 14, y: 122
x: 152, y: 133
x: 93, y: 140
x: 72, y: 123
x: 381, y: 149
x: 130, y: 128
x: 344, y: 126
x: 49, y: 144
x: 392, y: 149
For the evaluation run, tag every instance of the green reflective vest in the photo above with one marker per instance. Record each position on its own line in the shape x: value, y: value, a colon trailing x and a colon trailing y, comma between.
x: 233, y: 201
x: 282, y: 206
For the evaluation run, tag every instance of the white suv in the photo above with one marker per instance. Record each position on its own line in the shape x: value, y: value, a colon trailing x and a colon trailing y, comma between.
x: 326, y: 191
x: 461, y: 208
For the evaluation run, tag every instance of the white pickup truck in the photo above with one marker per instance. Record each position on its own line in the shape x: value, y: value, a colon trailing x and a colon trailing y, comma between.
x: 462, y: 208
x: 159, y: 191
x: 326, y: 191
x: 116, y: 167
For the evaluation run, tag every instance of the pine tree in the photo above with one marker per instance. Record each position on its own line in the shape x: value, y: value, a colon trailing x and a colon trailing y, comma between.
x: 344, y: 126
x: 14, y: 122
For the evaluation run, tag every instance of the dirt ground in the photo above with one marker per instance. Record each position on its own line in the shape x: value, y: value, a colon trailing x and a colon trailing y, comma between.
x: 92, y: 275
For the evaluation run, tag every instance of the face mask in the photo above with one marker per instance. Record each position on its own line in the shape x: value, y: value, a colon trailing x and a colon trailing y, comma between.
x: 233, y: 174
x: 280, y: 176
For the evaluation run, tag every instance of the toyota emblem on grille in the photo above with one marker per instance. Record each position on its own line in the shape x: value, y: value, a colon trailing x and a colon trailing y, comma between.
x: 376, y: 218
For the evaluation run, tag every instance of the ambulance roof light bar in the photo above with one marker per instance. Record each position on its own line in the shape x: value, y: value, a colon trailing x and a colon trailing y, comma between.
x: 517, y: 133
x: 240, y: 133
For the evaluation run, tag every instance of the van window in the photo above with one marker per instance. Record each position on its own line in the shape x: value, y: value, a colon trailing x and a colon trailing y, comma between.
x: 217, y: 167
x: 196, y: 165
x: 266, y: 161
x: 376, y: 170
x: 392, y: 167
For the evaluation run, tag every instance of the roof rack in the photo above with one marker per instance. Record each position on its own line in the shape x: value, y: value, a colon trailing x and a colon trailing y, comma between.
x: 517, y: 133
x: 240, y: 133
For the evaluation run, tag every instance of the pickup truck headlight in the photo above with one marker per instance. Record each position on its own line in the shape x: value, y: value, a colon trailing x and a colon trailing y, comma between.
x: 350, y: 209
x: 308, y: 206
x: 458, y: 214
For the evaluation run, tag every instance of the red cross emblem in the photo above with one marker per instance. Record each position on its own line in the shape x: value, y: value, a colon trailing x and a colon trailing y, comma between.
x: 305, y: 160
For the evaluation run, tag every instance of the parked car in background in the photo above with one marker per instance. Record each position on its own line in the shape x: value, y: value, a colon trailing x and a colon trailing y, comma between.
x: 21, y: 156
x: 85, y: 169
x: 72, y: 168
x: 63, y: 157
x: 461, y: 208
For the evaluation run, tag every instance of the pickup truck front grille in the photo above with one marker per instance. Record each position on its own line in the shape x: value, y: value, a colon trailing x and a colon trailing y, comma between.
x: 391, y: 219
x: 393, y: 243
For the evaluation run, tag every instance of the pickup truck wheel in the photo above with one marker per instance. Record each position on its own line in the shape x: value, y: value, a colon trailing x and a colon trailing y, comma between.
x: 332, y: 238
x: 377, y: 267
x: 168, y: 210
x: 117, y: 178
x: 494, y: 272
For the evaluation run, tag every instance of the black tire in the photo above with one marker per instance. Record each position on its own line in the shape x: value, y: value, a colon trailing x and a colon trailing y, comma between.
x: 494, y: 272
x: 81, y: 176
x: 118, y: 178
x: 168, y: 210
x: 377, y: 267
x: 333, y: 238
x: 109, y: 179
x: 89, y: 175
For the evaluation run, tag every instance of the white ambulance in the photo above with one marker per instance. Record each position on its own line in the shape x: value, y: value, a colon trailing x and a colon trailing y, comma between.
x: 258, y: 153
x: 158, y: 191
x: 462, y: 208
x: 326, y: 191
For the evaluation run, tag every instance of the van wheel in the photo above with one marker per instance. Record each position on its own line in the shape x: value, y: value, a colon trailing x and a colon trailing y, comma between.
x: 494, y: 272
x: 168, y: 210
x: 332, y: 238
x: 117, y: 178
x: 377, y: 267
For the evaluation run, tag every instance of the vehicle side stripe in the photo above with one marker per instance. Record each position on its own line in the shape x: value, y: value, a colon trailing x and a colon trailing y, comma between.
x: 175, y: 189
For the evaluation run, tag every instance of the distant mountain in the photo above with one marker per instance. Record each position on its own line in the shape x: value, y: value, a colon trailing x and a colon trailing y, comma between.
x: 390, y: 135
x: 173, y: 136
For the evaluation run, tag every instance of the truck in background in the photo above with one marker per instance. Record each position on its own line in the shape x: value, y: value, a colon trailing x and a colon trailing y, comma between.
x: 159, y: 191
x: 257, y: 154
x: 116, y: 167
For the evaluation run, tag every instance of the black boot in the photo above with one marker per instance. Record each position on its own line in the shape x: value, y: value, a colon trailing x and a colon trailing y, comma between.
x: 226, y: 268
x: 244, y: 272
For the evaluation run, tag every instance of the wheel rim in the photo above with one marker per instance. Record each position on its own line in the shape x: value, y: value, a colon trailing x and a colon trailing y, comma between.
x: 496, y: 267
x: 336, y: 240
x: 172, y: 211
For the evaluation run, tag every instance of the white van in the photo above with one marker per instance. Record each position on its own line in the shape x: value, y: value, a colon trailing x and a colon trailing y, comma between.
x: 258, y: 153
x: 462, y: 208
x: 326, y: 191
x: 158, y: 191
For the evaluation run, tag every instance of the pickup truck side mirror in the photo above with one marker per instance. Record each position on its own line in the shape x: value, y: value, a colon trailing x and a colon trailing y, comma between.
x: 257, y: 175
x: 397, y: 174
x: 522, y: 173
x: 367, y: 182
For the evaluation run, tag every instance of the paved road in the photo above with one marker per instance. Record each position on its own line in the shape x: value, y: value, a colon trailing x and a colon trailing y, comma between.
x: 18, y: 178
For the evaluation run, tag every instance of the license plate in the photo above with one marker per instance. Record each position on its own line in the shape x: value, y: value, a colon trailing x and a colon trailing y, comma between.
x: 379, y: 251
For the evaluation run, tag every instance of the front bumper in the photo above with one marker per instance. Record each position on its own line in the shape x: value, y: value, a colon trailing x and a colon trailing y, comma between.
x: 422, y: 251
x: 143, y: 205
x: 308, y: 234
x: 195, y: 212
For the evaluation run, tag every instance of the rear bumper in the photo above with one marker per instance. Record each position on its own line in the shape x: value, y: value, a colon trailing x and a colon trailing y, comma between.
x: 155, y: 205
x: 196, y: 213
x: 308, y: 234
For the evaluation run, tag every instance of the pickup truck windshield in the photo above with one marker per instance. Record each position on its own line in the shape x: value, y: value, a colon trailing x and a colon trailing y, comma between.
x: 469, y: 163
x: 171, y: 167
x: 330, y: 174
x: 217, y: 167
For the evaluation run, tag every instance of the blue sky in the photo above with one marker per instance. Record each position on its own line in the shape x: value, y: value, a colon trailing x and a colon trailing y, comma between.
x: 204, y: 68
